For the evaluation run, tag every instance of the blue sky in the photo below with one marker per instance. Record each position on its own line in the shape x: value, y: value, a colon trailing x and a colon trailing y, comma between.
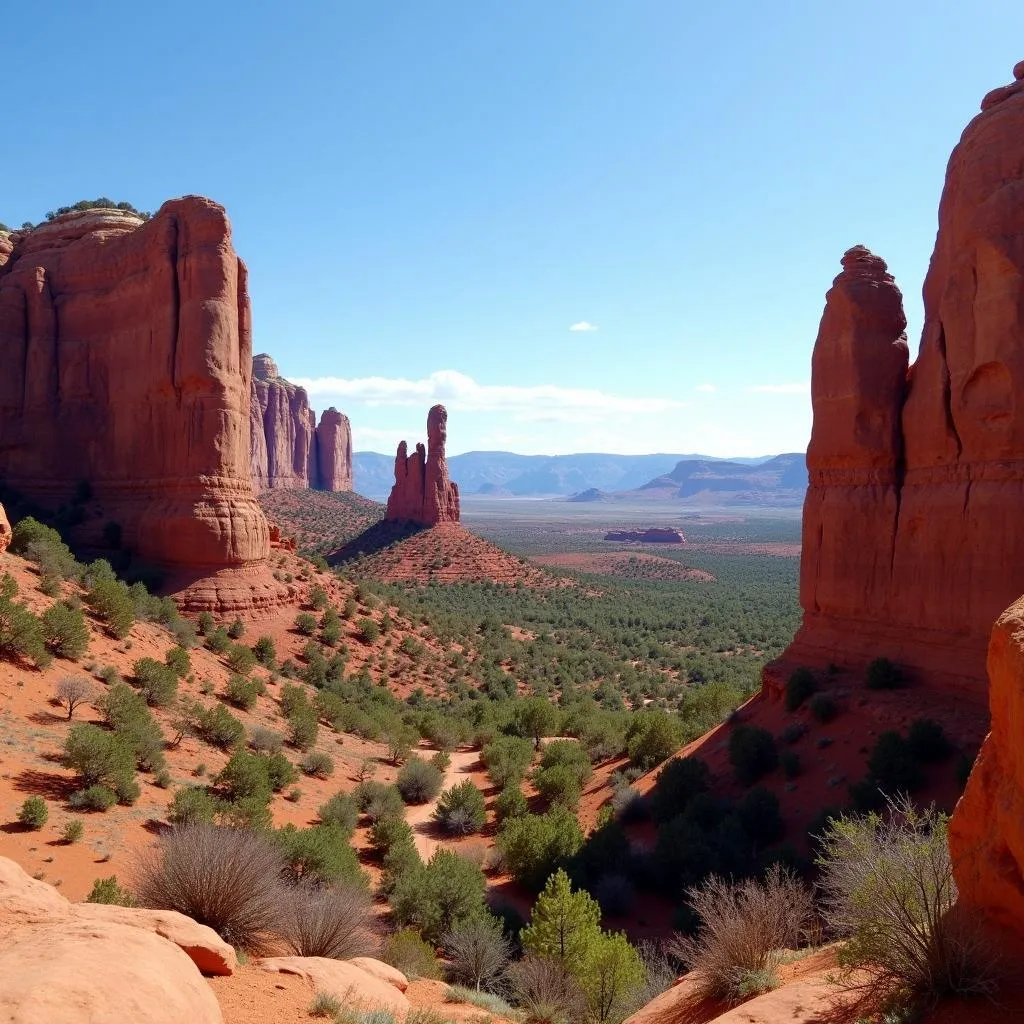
x: 430, y: 195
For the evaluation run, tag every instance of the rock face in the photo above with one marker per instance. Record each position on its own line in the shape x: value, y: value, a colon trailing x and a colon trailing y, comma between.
x: 986, y: 832
x: 375, y: 989
x: 5, y: 531
x: 911, y: 545
x: 127, y: 363
x: 288, y: 450
x: 423, y: 492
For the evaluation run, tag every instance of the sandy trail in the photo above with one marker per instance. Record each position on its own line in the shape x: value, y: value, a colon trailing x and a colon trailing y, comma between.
x: 419, y: 815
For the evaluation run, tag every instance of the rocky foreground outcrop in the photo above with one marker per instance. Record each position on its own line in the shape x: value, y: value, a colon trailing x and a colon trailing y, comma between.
x: 127, y: 354
x: 5, y: 531
x: 911, y: 539
x: 288, y: 450
x: 986, y: 833
x: 423, y: 492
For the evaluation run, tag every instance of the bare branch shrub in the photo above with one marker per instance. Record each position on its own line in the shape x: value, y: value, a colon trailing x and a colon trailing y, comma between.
x: 887, y: 886
x: 72, y: 691
x: 478, y: 953
x: 743, y: 927
x: 228, y: 879
x: 334, y: 922
x: 545, y: 991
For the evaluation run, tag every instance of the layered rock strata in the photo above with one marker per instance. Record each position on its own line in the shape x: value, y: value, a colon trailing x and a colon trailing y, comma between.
x: 423, y: 492
x: 127, y: 362
x: 911, y: 545
x: 288, y: 450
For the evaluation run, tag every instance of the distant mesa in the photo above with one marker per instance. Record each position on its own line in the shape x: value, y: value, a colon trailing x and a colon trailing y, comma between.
x: 779, y: 481
x: 288, y: 450
x: 655, y: 535
x: 590, y: 494
x: 127, y: 355
x: 423, y: 492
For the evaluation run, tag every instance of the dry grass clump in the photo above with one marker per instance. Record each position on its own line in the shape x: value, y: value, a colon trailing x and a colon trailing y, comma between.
x: 334, y: 922
x: 744, y: 926
x: 887, y: 886
x: 226, y: 878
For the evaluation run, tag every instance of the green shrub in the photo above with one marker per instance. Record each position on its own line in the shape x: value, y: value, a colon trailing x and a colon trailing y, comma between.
x: 823, y: 707
x: 34, y: 813
x: 407, y: 951
x: 892, y: 765
x: 303, y: 728
x: 265, y: 651
x: 320, y: 854
x: 217, y: 726
x: 318, y: 597
x: 460, y: 810
x: 536, y: 845
x: 205, y: 624
x: 325, y: 1005
x: 558, y: 786
x: 106, y: 890
x: 799, y: 687
x: 341, y: 810
x: 240, y: 659
x: 752, y: 753
x: 178, y: 661
x: 443, y: 894
x: 99, y: 757
x: 305, y: 623
x: 677, y: 784
x: 882, y: 674
x: 928, y: 742
x: 218, y: 641
x: 72, y: 831
x: 266, y: 741
x: 65, y: 631
x: 93, y: 798
x: 369, y: 631
x: 237, y: 629
x: 652, y: 737
x: 318, y: 764
x: 245, y: 776
x: 127, y: 713
x: 511, y: 803
x: 157, y: 682
x: 244, y: 691
x: 419, y: 781
x: 110, y: 600
x: 191, y: 804
x: 21, y: 633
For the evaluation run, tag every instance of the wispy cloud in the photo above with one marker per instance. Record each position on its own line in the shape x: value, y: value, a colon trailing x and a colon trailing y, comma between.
x: 707, y: 388
x: 532, y: 403
x: 583, y: 325
x: 799, y: 388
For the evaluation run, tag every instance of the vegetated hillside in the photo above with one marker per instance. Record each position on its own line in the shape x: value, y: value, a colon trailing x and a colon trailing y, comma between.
x: 320, y: 521
x: 490, y: 473
x: 778, y: 481
x: 446, y: 553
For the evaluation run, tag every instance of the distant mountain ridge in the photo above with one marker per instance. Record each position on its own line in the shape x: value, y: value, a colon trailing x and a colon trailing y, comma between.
x: 506, y: 474
x: 781, y: 480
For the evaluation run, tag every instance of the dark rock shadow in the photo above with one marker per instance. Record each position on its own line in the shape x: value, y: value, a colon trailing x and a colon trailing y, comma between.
x: 376, y: 538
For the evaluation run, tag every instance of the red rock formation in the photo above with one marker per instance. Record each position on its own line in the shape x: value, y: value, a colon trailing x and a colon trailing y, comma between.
x: 334, y: 452
x: 5, y: 531
x: 423, y: 492
x: 911, y: 539
x: 986, y: 832
x: 288, y: 451
x: 282, y: 430
x: 127, y: 355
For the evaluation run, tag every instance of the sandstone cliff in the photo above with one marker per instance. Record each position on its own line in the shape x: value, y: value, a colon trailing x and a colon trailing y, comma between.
x: 127, y: 362
x: 911, y: 545
x: 423, y: 491
x: 287, y: 449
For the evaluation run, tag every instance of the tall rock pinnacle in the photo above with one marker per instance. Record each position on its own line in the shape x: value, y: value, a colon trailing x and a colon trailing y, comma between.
x: 423, y: 492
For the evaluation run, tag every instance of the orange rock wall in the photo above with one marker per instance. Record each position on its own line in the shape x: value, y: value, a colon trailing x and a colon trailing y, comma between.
x: 127, y: 360
x: 911, y: 539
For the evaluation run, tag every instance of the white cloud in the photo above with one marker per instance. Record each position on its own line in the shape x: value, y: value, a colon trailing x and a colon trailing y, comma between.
x: 584, y: 326
x: 705, y: 387
x: 459, y: 392
x: 800, y: 388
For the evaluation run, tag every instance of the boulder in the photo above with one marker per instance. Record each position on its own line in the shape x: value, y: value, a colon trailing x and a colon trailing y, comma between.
x: 203, y: 946
x: 423, y: 492
x: 24, y: 896
x: 82, y: 972
x: 911, y: 546
x: 381, y: 970
x: 127, y: 363
x: 356, y: 987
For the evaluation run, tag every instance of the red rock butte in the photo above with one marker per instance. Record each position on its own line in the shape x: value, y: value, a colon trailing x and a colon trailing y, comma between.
x: 911, y: 533
x: 287, y: 448
x: 127, y: 362
x: 423, y: 492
